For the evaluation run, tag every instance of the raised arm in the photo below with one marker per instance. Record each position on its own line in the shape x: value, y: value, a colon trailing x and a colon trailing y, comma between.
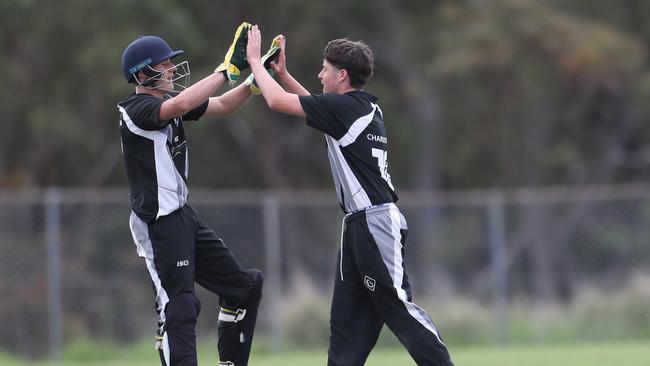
x: 198, y: 93
x: 276, y: 97
x: 191, y: 97
x: 280, y: 68
x: 229, y: 102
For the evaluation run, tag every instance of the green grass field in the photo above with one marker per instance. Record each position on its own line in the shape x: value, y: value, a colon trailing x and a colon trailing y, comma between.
x: 609, y: 354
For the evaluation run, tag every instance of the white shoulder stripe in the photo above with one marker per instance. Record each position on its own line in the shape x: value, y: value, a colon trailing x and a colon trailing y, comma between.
x: 357, y: 127
x: 151, y: 135
x: 379, y: 109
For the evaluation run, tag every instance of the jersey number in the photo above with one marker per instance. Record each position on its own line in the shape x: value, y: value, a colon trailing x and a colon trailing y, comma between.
x: 382, y: 162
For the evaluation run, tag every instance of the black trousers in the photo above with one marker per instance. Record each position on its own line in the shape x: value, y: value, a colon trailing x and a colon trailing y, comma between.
x: 372, y: 288
x: 180, y: 250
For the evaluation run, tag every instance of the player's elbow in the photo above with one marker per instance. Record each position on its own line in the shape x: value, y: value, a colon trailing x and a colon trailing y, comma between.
x: 230, y: 111
x: 274, y: 103
x: 287, y: 103
x: 278, y: 103
x: 216, y: 108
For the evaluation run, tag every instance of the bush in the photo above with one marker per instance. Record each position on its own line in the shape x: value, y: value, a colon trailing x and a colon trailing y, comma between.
x: 594, y: 314
x: 306, y: 318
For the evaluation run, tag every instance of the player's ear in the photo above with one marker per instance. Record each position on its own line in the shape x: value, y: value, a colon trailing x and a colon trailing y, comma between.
x: 143, y: 79
x: 140, y: 77
x: 343, y: 74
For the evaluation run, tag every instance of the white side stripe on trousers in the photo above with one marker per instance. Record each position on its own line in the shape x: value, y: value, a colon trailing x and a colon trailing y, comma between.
x: 387, y: 235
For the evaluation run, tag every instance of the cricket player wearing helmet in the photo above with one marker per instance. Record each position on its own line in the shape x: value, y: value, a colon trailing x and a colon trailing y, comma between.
x: 178, y: 248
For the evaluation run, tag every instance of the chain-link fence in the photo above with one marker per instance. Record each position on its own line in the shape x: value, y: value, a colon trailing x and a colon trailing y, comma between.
x: 69, y: 269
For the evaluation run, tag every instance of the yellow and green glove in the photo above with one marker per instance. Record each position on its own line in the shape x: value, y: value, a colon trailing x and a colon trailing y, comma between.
x: 235, y: 61
x: 271, y: 55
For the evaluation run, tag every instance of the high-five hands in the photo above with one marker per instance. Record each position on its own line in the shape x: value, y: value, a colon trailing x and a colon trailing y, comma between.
x: 268, y: 60
x: 279, y: 65
x: 235, y: 61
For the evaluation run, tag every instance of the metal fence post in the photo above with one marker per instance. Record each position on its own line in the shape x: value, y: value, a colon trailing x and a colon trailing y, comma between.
x: 54, y: 297
x: 498, y: 265
x: 273, y: 266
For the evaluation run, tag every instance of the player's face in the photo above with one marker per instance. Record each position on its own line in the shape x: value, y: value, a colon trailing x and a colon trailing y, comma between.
x: 168, y: 69
x: 330, y: 77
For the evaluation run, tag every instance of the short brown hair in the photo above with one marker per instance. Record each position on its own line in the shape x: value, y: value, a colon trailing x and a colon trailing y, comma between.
x: 353, y: 56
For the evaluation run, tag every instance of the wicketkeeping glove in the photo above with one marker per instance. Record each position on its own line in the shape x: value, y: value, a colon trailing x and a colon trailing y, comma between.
x: 271, y: 55
x: 235, y: 61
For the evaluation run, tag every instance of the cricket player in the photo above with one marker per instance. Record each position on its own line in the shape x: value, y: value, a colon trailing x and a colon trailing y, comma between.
x: 371, y: 286
x: 178, y: 248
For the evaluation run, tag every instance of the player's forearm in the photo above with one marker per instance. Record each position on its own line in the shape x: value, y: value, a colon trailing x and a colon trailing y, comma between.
x: 276, y: 97
x: 229, y: 102
x: 292, y: 85
x: 196, y: 94
x: 271, y: 90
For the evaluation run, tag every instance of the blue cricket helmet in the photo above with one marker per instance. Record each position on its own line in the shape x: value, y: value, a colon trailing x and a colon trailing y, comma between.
x: 145, y: 51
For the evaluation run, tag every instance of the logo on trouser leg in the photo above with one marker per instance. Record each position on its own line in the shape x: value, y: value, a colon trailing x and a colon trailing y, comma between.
x: 183, y: 263
x: 370, y: 283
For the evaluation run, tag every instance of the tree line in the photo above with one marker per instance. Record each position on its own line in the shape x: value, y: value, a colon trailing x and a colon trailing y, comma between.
x: 477, y: 94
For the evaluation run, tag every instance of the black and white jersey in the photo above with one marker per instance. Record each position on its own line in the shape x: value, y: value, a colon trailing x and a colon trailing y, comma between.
x: 155, y: 155
x: 357, y: 146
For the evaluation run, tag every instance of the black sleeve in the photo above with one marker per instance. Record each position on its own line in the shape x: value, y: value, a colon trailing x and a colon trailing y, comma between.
x: 144, y: 112
x: 196, y: 113
x: 324, y: 113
